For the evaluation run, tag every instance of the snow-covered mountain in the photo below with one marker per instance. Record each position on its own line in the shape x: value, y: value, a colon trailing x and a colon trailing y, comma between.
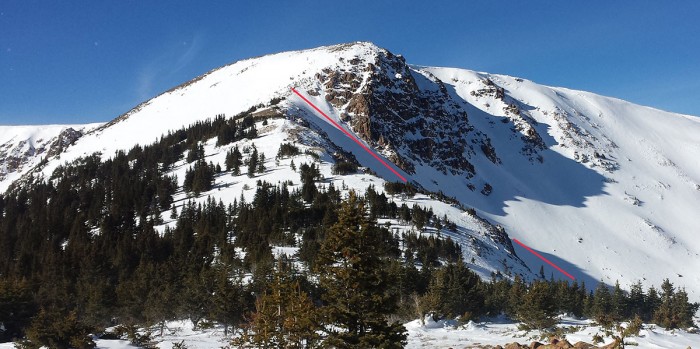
x: 603, y: 188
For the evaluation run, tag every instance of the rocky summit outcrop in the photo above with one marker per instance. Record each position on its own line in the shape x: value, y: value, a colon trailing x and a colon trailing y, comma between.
x: 64, y: 140
x: 406, y: 114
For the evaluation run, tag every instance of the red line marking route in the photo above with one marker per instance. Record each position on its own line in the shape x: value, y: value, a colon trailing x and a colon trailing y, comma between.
x: 350, y: 135
x: 544, y: 259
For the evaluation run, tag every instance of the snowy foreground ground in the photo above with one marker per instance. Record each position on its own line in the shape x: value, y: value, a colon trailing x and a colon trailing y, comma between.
x: 445, y: 335
x: 437, y: 335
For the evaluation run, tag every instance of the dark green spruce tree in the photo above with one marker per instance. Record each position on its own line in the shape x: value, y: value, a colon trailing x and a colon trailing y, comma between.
x: 354, y: 281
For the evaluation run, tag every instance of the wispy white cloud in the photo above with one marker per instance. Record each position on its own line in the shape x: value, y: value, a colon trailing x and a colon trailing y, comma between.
x: 167, y: 65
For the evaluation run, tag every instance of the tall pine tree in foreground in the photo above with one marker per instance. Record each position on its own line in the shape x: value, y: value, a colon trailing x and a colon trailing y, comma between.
x: 354, y: 279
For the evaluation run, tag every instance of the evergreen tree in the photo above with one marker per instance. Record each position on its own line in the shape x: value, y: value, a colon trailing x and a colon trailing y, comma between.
x: 569, y: 298
x: 619, y: 304
x: 309, y: 174
x: 234, y: 161
x: 284, y: 315
x: 588, y: 301
x: 197, y: 288
x: 252, y: 132
x: 287, y: 149
x: 602, y: 303
x: 497, y: 291
x: 636, y: 300
x: 226, y: 134
x: 230, y: 299
x: 253, y: 162
x: 407, y: 278
x: 195, y: 153
x: 455, y: 291
x: 163, y: 299
x: 261, y: 163
x: 16, y: 309
x: 682, y: 310
x: 354, y: 279
x: 200, y: 178
x: 515, y: 297
x: 664, y: 314
x: 405, y: 213
x: 651, y: 303
x: 674, y: 311
x: 55, y: 330
x: 538, y: 309
x: 419, y: 217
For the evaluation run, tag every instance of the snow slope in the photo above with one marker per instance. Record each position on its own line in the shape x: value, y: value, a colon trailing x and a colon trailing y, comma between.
x: 635, y: 213
x: 604, y: 188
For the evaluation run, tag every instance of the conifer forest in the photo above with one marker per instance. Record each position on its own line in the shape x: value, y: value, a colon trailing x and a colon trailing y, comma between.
x: 79, y: 253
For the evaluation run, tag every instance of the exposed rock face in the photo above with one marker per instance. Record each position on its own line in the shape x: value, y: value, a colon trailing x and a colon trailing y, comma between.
x: 591, y: 150
x: 516, y: 113
x: 25, y: 147
x: 14, y: 156
x: 64, y: 140
x: 409, y: 116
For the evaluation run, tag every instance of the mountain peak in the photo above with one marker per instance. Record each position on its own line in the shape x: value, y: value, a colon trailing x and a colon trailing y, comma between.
x: 558, y: 169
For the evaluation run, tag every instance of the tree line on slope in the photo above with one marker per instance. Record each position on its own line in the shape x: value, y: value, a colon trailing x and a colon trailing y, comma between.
x: 81, y: 251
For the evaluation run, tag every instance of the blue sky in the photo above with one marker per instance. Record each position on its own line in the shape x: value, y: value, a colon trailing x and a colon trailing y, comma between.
x: 89, y: 61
